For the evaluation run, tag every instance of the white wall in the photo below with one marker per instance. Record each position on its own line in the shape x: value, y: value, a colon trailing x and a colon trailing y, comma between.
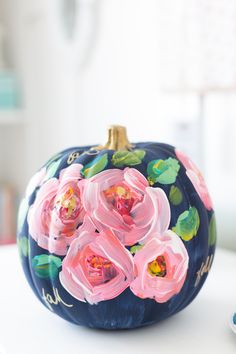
x: 220, y: 143
x: 120, y: 83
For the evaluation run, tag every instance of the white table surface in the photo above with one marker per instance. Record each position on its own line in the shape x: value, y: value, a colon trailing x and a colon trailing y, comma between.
x: 26, y: 327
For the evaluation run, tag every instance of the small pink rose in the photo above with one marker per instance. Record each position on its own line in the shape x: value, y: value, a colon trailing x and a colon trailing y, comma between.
x: 35, y: 181
x: 57, y: 211
x: 97, y: 267
x: 121, y: 200
x: 160, y: 267
x: 196, y: 178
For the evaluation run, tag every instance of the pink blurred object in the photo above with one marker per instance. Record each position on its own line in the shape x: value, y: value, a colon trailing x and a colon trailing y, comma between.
x: 7, y: 215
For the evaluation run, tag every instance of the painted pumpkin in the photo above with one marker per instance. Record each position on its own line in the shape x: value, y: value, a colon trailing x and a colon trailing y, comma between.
x: 117, y: 236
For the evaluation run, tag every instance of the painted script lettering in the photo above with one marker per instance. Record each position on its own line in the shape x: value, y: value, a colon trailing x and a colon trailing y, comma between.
x: 54, y: 299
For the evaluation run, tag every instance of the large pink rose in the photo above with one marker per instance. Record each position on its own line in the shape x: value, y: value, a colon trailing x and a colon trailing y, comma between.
x: 196, y: 178
x: 161, y: 268
x: 57, y: 211
x: 121, y: 200
x: 97, y: 267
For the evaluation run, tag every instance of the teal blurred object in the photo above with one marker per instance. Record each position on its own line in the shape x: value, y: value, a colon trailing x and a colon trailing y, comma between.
x: 233, y: 322
x: 9, y: 98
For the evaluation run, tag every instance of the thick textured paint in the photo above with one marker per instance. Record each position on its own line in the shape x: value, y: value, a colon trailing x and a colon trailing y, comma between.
x: 76, y: 276
x: 161, y: 288
x: 98, y: 305
x: 52, y: 228
x: 146, y: 201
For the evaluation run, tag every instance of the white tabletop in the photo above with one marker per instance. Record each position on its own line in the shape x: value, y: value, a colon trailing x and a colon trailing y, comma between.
x: 26, y: 327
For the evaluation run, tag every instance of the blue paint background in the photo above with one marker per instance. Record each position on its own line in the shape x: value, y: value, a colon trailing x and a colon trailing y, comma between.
x: 127, y: 310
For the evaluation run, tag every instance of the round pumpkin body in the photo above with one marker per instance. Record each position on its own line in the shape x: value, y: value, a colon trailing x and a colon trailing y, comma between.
x: 117, y: 239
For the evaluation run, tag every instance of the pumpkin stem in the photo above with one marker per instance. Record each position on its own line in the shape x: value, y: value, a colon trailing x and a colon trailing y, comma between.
x: 117, y: 139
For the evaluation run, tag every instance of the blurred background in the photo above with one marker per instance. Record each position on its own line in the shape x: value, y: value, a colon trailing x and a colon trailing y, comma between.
x: 165, y: 69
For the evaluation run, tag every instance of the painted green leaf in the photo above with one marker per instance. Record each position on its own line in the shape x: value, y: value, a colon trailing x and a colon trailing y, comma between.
x: 23, y: 209
x: 212, y: 231
x: 187, y: 224
x: 175, y: 195
x: 95, y: 166
x: 23, y: 246
x: 51, y: 169
x: 140, y: 153
x: 128, y: 158
x: 54, y: 158
x: 46, y: 266
x: 163, y: 171
x: 136, y: 248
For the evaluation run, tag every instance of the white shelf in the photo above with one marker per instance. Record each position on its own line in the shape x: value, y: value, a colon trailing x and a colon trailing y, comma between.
x: 10, y: 117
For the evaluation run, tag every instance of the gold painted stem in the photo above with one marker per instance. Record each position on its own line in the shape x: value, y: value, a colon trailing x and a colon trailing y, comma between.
x: 117, y: 139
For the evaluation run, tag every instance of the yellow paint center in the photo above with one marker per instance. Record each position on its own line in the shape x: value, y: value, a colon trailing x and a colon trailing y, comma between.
x: 157, y: 268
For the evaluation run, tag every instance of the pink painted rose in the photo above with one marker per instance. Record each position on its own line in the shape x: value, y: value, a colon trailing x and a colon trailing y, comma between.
x: 97, y: 267
x: 122, y: 201
x: 196, y: 178
x: 161, y: 267
x: 57, y: 211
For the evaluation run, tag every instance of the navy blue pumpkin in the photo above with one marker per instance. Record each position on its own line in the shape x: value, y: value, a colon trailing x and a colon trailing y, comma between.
x: 117, y: 236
